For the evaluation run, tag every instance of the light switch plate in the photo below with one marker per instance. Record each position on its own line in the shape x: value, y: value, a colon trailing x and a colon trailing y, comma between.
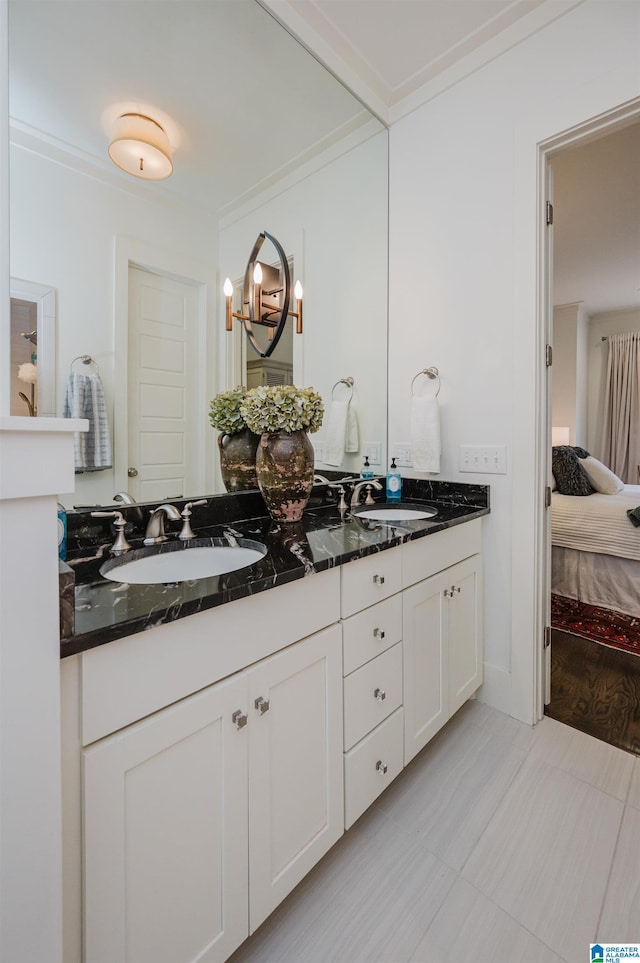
x: 483, y: 459
x: 402, y: 454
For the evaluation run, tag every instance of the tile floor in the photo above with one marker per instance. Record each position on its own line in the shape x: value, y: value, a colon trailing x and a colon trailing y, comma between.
x: 498, y: 844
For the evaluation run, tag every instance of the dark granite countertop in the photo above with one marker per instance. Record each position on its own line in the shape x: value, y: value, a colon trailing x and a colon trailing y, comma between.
x: 107, y: 610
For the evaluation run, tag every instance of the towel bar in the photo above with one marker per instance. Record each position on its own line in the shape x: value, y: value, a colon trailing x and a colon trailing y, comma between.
x: 431, y: 373
x: 349, y: 382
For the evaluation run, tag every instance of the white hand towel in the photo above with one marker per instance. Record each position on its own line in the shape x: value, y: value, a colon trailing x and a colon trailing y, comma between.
x: 425, y: 433
x: 352, y: 442
x: 336, y: 433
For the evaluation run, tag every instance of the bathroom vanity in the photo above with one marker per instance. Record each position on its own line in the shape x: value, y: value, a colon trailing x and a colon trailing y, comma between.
x: 212, y: 760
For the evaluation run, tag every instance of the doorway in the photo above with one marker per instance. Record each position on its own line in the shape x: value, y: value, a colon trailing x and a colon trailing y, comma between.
x: 594, y: 663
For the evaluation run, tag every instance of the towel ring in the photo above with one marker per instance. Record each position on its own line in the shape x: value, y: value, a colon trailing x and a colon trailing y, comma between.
x: 349, y: 382
x: 432, y: 373
x: 86, y: 359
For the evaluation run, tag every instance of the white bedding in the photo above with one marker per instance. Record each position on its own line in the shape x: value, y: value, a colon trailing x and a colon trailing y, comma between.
x: 597, y: 523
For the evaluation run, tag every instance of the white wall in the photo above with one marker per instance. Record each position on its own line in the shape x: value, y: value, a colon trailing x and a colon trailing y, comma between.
x: 602, y: 325
x: 334, y: 223
x: 569, y: 395
x: 63, y: 226
x: 465, y: 225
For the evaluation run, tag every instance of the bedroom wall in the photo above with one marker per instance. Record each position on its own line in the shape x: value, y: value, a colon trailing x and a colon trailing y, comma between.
x: 601, y: 325
x: 465, y: 219
x: 569, y: 374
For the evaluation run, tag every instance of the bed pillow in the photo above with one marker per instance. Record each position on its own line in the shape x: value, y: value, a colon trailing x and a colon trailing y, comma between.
x: 570, y: 476
x: 601, y: 477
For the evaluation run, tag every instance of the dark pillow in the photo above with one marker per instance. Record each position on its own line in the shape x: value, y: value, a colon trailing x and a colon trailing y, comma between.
x: 570, y: 476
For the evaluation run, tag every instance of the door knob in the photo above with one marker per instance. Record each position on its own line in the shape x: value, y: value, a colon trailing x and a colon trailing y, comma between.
x: 132, y: 472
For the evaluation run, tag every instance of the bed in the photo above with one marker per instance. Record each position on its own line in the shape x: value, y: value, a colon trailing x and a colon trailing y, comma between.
x: 595, y: 555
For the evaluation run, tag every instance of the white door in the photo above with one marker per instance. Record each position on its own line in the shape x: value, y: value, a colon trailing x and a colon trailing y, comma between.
x: 464, y: 632
x: 165, y: 834
x: 424, y: 615
x: 296, y: 794
x: 163, y: 333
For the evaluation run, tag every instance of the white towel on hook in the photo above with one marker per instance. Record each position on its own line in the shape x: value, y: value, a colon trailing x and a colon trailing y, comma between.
x: 425, y: 433
x: 84, y: 398
x: 342, y: 432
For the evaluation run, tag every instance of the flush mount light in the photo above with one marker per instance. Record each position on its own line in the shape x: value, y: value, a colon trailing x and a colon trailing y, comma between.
x: 140, y: 146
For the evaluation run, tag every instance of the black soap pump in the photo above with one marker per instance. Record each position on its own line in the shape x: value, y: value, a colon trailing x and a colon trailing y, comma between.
x: 394, y: 483
x: 367, y: 470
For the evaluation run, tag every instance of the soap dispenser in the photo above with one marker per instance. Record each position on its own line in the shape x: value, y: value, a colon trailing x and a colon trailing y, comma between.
x: 394, y: 483
x: 367, y: 470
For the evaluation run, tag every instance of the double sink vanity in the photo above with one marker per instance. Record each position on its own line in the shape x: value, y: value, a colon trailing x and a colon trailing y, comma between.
x: 220, y: 736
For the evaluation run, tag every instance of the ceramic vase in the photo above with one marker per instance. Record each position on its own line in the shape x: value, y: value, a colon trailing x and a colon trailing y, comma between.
x: 284, y: 466
x: 238, y: 460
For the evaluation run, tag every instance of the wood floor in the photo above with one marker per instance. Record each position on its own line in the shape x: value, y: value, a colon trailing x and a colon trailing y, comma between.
x: 596, y: 689
x: 499, y: 843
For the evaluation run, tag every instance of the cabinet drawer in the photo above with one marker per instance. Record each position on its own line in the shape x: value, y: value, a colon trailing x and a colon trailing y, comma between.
x: 371, y: 693
x: 426, y: 556
x: 369, y: 580
x: 371, y: 766
x: 371, y: 632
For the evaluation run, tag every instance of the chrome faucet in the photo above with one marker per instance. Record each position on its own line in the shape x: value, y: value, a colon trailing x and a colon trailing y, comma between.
x: 320, y: 480
x: 155, y: 526
x: 126, y: 499
x: 357, y: 488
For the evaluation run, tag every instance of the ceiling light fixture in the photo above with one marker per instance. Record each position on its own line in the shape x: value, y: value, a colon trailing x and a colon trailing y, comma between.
x: 140, y: 146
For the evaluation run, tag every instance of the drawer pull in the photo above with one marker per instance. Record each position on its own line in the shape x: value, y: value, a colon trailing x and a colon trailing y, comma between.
x: 379, y: 694
x: 381, y: 767
x: 378, y: 633
x: 239, y: 718
x: 378, y: 579
x: 262, y: 705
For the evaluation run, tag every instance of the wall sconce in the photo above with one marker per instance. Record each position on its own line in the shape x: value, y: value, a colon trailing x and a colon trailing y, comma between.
x: 140, y: 146
x: 266, y: 295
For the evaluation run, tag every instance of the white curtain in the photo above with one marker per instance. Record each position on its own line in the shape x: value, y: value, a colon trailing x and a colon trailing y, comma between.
x: 621, y: 427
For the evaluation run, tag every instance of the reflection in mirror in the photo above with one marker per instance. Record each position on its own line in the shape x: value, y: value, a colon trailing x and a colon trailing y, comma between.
x: 82, y: 227
x: 266, y: 298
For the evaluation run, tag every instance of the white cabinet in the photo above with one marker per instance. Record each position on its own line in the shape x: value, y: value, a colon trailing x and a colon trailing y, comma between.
x: 441, y: 624
x: 295, y: 766
x: 171, y: 872
x: 165, y: 834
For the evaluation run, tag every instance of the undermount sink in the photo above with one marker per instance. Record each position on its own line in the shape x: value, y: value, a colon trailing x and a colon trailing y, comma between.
x: 399, y: 512
x: 182, y: 563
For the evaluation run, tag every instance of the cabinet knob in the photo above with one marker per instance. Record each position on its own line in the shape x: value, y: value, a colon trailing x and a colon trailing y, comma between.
x: 262, y: 705
x: 239, y: 718
x: 379, y: 694
x: 378, y: 579
x: 455, y: 588
x: 381, y: 767
x: 378, y: 633
x: 447, y: 593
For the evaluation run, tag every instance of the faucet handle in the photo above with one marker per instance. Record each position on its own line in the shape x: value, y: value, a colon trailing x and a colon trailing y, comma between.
x: 121, y: 545
x: 186, y: 532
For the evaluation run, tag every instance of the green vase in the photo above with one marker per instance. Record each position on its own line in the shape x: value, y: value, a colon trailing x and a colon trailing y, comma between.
x: 238, y: 460
x: 284, y: 466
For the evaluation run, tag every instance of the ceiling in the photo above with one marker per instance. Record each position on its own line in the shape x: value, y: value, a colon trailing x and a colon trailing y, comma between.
x: 244, y: 104
x: 396, y: 54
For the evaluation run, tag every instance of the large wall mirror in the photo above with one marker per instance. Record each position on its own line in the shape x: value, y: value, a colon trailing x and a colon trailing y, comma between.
x: 262, y: 138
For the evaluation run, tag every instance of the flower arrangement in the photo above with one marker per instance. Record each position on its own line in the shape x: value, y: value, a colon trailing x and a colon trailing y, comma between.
x: 282, y: 408
x: 224, y: 411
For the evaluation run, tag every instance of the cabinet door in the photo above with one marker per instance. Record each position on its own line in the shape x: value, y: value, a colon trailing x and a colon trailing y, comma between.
x: 295, y: 766
x: 426, y: 695
x: 465, y: 632
x: 165, y: 832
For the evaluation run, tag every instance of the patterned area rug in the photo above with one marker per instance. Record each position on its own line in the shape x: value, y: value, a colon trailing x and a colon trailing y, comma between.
x: 610, y: 628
